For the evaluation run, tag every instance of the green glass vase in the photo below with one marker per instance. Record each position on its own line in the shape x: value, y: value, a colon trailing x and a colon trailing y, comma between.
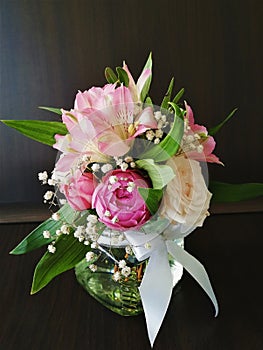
x: 122, y: 296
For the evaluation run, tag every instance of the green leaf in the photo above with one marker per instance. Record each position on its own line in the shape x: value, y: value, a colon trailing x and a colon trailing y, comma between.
x: 36, y: 240
x: 225, y: 192
x: 178, y: 96
x: 160, y: 175
x: 41, y: 131
x: 111, y: 77
x: 123, y: 76
x: 167, y: 97
x: 148, y: 101
x: 216, y: 128
x: 171, y: 143
x: 147, y: 84
x: 148, y: 63
x: 52, y: 109
x: 151, y: 197
x: 69, y: 252
x: 156, y: 224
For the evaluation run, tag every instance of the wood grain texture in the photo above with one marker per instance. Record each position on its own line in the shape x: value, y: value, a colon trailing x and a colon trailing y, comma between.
x: 51, y: 49
x: 28, y: 212
x: 63, y: 316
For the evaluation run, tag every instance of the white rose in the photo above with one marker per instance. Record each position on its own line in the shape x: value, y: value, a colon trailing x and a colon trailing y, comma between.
x: 186, y: 199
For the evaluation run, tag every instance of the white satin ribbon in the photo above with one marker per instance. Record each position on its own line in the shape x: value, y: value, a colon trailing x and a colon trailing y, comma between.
x: 157, y: 283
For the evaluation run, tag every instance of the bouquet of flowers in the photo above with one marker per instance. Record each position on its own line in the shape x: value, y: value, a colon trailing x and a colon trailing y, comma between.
x: 129, y: 184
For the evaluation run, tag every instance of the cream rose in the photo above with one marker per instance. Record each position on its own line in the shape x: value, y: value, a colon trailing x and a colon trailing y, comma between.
x: 186, y: 199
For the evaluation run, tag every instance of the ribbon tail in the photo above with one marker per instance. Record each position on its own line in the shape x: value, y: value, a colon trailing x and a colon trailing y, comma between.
x: 195, y: 268
x: 156, y: 290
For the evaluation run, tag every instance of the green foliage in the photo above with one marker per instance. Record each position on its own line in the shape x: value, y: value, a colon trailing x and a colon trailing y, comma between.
x: 122, y: 76
x: 171, y: 143
x: 167, y: 97
x: 69, y: 252
x: 52, y: 109
x: 148, y: 101
x: 41, y: 131
x: 160, y: 175
x: 36, y: 240
x: 216, y: 128
x: 151, y: 198
x: 225, y: 192
x: 178, y: 96
x: 110, y: 76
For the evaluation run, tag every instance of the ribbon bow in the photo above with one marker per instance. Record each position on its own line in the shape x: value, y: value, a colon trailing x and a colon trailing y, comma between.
x: 157, y: 283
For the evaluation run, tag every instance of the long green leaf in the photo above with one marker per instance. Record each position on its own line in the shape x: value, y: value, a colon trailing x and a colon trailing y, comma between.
x: 178, y: 96
x: 160, y: 175
x: 167, y: 97
x: 36, y: 240
x: 41, y: 131
x: 69, y: 252
x: 171, y: 143
x: 216, y: 128
x: 52, y: 109
x: 151, y: 197
x: 225, y: 192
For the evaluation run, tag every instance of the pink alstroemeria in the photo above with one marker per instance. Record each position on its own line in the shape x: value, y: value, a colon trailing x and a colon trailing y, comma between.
x: 137, y: 88
x: 109, y: 116
x: 103, y: 123
x: 206, y: 141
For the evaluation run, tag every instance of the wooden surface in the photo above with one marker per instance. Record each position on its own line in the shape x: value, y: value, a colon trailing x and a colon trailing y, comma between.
x: 63, y: 316
x: 31, y: 212
x: 51, y: 49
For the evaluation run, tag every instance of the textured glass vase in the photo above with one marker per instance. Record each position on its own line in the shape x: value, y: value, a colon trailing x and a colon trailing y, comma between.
x: 120, y: 296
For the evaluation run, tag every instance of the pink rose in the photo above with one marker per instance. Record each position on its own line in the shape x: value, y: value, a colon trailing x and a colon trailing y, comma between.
x: 118, y: 202
x: 79, y: 191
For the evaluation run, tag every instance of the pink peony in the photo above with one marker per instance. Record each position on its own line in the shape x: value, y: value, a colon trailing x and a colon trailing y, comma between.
x: 79, y: 191
x: 118, y: 202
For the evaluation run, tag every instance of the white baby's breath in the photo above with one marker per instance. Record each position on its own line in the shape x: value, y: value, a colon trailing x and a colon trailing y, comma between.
x: 51, y: 248
x: 56, y: 216
x: 106, y: 167
x: 122, y: 264
x: 48, y: 195
x: 93, y: 267
x: 46, y: 234
x: 90, y: 256
x: 126, y: 271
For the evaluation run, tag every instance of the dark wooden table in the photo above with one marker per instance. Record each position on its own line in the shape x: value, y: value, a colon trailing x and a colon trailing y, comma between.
x: 63, y: 316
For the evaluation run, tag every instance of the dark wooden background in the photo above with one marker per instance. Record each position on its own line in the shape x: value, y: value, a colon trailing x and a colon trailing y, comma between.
x: 50, y: 49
